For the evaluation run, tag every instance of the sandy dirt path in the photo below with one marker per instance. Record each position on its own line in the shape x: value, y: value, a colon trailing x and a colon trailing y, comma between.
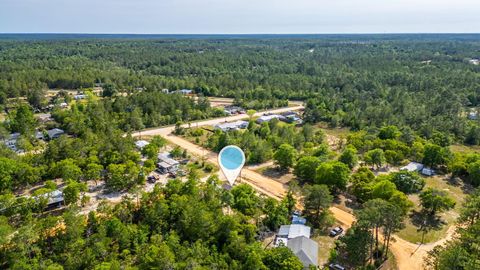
x: 409, y: 256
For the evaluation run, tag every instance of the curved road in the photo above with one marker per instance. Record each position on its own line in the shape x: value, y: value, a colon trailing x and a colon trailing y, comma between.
x: 409, y: 256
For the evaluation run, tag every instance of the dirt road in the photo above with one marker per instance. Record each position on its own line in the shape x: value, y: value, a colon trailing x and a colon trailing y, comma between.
x: 409, y: 256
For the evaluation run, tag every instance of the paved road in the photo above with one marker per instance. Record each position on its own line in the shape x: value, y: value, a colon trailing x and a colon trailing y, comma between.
x: 408, y: 255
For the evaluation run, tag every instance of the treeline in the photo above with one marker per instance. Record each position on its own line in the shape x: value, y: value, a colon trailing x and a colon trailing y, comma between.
x: 416, y: 81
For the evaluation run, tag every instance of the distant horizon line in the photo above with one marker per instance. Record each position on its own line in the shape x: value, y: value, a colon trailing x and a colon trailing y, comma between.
x: 241, y: 34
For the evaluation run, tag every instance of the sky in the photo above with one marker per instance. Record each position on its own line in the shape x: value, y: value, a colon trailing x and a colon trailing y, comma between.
x: 239, y: 16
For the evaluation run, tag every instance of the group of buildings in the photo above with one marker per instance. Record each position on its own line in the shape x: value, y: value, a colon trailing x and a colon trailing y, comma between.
x: 12, y: 140
x: 296, y: 236
x: 288, y: 117
x: 418, y: 167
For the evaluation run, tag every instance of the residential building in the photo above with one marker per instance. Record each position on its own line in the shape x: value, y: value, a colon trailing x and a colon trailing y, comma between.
x: 412, y: 167
x: 305, y: 249
x: 11, y: 142
x: 268, y: 118
x: 80, y: 96
x: 287, y: 232
x: 232, y: 126
x: 428, y: 171
x: 140, y: 144
x: 231, y: 109
x: 55, y: 133
x: 475, y: 62
x: 55, y: 198
x: 183, y: 92
x: 166, y: 164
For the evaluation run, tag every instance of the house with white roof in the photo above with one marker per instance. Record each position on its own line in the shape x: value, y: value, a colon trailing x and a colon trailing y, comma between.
x: 412, y: 167
x: 287, y: 232
x: 268, y: 118
x: 140, y: 144
x: 232, y: 126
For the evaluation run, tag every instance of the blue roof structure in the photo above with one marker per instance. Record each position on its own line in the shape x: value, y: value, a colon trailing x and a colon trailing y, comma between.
x: 298, y: 220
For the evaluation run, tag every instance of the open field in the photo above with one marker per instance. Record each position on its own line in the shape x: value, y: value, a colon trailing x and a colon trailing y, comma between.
x: 456, y: 191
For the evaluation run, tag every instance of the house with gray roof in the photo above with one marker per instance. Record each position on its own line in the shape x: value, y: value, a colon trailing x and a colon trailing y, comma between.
x: 55, y: 133
x: 287, y: 232
x: 166, y: 164
x: 305, y: 249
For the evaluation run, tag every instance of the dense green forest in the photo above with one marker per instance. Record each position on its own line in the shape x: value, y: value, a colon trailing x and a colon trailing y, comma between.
x: 421, y: 81
x: 399, y: 98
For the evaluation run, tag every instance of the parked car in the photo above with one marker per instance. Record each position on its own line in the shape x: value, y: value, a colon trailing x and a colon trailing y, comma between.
x: 336, y: 266
x: 151, y: 179
x: 336, y: 231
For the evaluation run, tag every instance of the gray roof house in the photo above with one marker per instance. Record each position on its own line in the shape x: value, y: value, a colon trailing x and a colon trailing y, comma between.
x: 55, y: 198
x: 166, y: 164
x: 55, y: 133
x: 305, y: 249
x: 287, y: 232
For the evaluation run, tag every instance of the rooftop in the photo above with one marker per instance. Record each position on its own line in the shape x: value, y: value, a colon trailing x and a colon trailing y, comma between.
x: 412, y: 167
x: 305, y: 249
x: 294, y: 230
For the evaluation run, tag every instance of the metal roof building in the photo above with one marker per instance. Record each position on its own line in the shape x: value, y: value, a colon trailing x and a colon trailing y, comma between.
x: 293, y: 230
x: 305, y: 249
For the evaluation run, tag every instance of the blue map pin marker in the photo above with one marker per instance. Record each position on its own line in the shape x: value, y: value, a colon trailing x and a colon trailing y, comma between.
x: 231, y: 160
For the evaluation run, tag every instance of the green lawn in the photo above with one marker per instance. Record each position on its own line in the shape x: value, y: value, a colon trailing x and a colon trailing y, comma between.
x: 325, y: 244
x: 411, y: 232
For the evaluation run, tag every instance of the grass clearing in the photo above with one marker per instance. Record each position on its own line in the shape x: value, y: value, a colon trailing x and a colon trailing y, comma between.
x: 455, y: 190
x: 457, y: 148
x: 277, y: 175
x: 325, y: 244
